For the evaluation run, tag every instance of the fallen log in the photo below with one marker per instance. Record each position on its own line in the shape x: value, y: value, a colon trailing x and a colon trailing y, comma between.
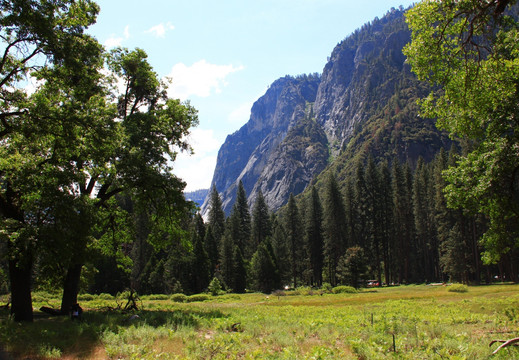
x: 51, y: 311
x: 504, y: 344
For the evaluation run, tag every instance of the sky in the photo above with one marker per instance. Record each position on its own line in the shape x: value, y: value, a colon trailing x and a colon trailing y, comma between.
x: 223, y: 55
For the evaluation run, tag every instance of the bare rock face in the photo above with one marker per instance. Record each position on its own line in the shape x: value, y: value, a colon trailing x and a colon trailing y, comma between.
x: 364, y: 102
x: 246, y: 153
x: 361, y: 68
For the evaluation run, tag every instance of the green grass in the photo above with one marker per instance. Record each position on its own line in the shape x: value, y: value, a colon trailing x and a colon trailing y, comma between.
x: 426, y: 322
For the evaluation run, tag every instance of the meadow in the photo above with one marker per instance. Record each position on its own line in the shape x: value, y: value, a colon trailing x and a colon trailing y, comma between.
x: 404, y: 322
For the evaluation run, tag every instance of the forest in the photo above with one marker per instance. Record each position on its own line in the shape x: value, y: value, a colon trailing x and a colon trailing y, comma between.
x: 88, y: 201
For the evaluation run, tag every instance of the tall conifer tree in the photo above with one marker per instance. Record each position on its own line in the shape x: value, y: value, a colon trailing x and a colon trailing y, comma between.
x: 294, y: 239
x: 314, y: 238
x: 261, y: 228
x: 334, y: 227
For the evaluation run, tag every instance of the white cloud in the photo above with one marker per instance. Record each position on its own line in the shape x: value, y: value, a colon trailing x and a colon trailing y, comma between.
x: 200, y: 79
x: 114, y: 40
x: 161, y: 29
x: 241, y: 114
x: 197, y: 170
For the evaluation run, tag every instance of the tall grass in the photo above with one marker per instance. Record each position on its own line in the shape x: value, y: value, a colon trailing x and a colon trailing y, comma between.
x: 407, y: 322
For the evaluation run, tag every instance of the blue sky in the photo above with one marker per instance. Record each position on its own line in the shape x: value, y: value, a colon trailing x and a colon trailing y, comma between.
x: 223, y: 55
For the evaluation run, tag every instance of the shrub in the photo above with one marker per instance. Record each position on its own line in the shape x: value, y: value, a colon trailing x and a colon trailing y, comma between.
x: 198, y: 297
x: 215, y: 287
x: 343, y: 289
x: 303, y: 290
x: 86, y: 297
x: 156, y: 297
x: 326, y: 287
x: 460, y: 288
x: 43, y: 296
x: 104, y: 296
x: 178, y: 298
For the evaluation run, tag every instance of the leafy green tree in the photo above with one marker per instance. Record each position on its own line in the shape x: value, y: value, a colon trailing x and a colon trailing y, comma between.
x: 469, y: 48
x: 314, y: 240
x: 135, y: 160
x: 352, y: 267
x: 44, y: 40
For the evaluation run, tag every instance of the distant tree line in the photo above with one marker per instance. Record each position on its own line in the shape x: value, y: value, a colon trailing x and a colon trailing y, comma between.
x: 391, y: 224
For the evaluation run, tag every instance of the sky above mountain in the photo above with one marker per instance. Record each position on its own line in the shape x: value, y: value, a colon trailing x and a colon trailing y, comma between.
x: 223, y: 55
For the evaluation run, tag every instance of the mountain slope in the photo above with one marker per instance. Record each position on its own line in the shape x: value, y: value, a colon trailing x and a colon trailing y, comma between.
x: 364, y: 102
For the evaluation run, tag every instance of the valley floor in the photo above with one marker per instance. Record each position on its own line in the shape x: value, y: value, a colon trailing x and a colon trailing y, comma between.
x: 404, y: 322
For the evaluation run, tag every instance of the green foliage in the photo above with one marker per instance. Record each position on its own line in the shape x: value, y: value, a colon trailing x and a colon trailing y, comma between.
x: 327, y: 287
x: 197, y: 298
x: 424, y: 320
x: 215, y: 287
x: 352, y: 268
x: 178, y: 298
x: 459, y: 288
x: 344, y: 289
x: 471, y: 52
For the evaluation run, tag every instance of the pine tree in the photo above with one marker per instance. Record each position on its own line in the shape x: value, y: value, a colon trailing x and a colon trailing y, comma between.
x: 201, y: 264
x: 423, y: 202
x: 352, y: 267
x: 261, y: 228
x: 227, y: 252
x: 240, y: 272
x: 265, y: 274
x: 216, y: 216
x: 280, y: 249
x: 334, y: 226
x: 314, y: 238
x: 401, y: 179
x: 211, y: 247
x: 242, y: 213
x: 294, y: 239
x: 385, y: 204
x: 373, y: 214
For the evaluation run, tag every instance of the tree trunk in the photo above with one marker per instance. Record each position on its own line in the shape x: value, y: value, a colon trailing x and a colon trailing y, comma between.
x: 71, y: 287
x: 20, y: 271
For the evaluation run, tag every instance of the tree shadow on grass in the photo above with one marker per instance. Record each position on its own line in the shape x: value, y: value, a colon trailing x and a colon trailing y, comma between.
x: 58, y: 336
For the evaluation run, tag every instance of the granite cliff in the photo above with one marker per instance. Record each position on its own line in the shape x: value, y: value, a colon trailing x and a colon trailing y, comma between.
x: 363, y: 103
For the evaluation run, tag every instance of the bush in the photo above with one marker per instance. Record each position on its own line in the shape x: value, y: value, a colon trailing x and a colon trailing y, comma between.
x: 326, y: 287
x: 198, y: 297
x: 215, y: 287
x: 86, y: 297
x: 180, y: 298
x: 43, y: 296
x: 460, y: 288
x: 303, y: 290
x: 343, y: 289
x: 104, y: 296
x: 156, y: 297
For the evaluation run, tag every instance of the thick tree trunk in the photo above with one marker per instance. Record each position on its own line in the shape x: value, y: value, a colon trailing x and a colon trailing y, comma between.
x: 71, y: 287
x: 20, y: 271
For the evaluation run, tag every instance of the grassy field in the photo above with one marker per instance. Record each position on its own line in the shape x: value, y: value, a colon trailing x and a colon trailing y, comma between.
x: 405, y: 322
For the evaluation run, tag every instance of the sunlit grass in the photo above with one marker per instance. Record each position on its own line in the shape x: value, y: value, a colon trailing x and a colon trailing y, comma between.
x: 405, y: 322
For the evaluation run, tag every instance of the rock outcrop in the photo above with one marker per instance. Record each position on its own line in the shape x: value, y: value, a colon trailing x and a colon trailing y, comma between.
x: 364, y: 102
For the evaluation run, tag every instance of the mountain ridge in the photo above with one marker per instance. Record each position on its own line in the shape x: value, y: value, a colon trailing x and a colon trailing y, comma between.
x: 363, y: 102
